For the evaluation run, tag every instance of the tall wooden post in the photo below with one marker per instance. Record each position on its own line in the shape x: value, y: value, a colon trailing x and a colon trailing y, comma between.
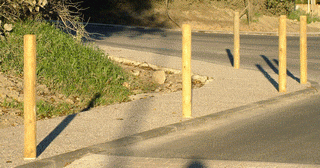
x: 186, y: 71
x: 282, y: 54
x: 30, y: 151
x: 303, y: 49
x: 236, y: 32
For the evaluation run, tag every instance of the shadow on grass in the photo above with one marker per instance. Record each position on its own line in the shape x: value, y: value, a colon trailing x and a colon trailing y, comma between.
x: 271, y: 80
x: 42, y: 146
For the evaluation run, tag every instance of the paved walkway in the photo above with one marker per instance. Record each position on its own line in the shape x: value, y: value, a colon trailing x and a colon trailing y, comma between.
x: 65, y: 139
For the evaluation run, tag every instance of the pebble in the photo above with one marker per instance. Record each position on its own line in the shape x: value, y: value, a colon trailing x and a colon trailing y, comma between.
x: 135, y: 72
x: 144, y: 65
x: 126, y: 84
x: 70, y: 101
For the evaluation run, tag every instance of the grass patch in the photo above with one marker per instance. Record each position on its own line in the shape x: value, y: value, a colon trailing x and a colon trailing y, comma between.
x: 8, y: 103
x: 66, y: 67
x: 48, y: 110
x: 295, y: 15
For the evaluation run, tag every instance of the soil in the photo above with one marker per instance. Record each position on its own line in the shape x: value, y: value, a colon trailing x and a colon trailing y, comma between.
x: 202, y: 16
x: 11, y: 89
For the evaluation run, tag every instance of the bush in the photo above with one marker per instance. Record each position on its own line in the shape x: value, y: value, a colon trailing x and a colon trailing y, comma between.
x: 65, y: 11
x: 279, y: 7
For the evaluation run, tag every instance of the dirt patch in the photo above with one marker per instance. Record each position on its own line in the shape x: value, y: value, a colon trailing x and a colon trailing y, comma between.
x: 11, y: 90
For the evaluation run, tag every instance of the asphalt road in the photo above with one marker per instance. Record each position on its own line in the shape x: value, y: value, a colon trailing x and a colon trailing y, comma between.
x: 287, y: 134
x: 255, y: 50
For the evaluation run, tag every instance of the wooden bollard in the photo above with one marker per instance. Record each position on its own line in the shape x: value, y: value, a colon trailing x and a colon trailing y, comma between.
x: 236, y: 32
x: 30, y: 151
x: 303, y: 50
x: 282, y: 54
x: 186, y: 71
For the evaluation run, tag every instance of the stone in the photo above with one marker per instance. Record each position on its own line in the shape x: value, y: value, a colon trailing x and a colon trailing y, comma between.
x: 60, y: 96
x: 144, y: 65
x: 126, y: 84
x: 42, y: 89
x: 69, y: 101
x: 159, y: 77
x: 199, y: 78
x: 135, y: 72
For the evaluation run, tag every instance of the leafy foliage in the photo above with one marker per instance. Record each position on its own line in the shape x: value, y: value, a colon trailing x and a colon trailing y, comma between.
x: 279, y: 7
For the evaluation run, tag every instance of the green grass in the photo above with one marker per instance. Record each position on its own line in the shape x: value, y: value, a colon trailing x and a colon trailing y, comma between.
x: 8, y: 103
x: 295, y: 15
x: 66, y: 67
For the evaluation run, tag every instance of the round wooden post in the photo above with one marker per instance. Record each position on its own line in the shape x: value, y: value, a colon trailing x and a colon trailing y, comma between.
x: 236, y: 32
x: 282, y: 54
x: 30, y: 151
x: 303, y: 49
x: 186, y: 70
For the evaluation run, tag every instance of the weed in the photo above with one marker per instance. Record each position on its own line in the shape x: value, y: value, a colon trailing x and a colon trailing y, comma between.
x: 11, y: 103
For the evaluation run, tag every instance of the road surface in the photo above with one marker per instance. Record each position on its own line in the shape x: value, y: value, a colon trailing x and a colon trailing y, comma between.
x: 255, y: 50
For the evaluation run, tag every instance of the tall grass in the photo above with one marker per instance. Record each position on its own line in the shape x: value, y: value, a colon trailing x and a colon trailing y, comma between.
x: 64, y: 65
x: 295, y: 15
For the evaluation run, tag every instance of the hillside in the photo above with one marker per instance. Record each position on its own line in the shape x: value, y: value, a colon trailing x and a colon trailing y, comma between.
x: 202, y: 15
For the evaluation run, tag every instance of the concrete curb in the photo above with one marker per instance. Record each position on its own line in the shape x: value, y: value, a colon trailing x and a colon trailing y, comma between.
x: 194, y: 77
x: 67, y: 158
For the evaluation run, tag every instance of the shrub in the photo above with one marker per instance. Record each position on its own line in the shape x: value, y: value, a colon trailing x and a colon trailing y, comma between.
x: 65, y: 11
x: 279, y: 7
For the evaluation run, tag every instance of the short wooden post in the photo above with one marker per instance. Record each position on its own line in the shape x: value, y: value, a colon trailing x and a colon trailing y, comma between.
x: 186, y: 71
x: 30, y: 151
x: 303, y: 49
x: 282, y: 54
x: 236, y: 32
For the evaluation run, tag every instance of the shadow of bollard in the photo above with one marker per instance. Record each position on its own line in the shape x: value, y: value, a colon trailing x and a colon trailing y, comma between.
x: 288, y: 72
x: 230, y: 56
x: 266, y: 59
x: 42, y: 146
x: 271, y: 80
x: 196, y: 164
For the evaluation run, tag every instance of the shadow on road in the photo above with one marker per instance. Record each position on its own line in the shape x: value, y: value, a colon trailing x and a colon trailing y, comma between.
x: 271, y: 80
x: 266, y: 59
x: 288, y: 72
x: 102, y: 31
x: 42, y: 146
x: 230, y: 56
x: 275, y: 70
x: 196, y: 164
x: 122, y: 12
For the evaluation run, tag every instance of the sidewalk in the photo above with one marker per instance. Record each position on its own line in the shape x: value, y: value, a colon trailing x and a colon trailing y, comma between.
x: 231, y: 91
